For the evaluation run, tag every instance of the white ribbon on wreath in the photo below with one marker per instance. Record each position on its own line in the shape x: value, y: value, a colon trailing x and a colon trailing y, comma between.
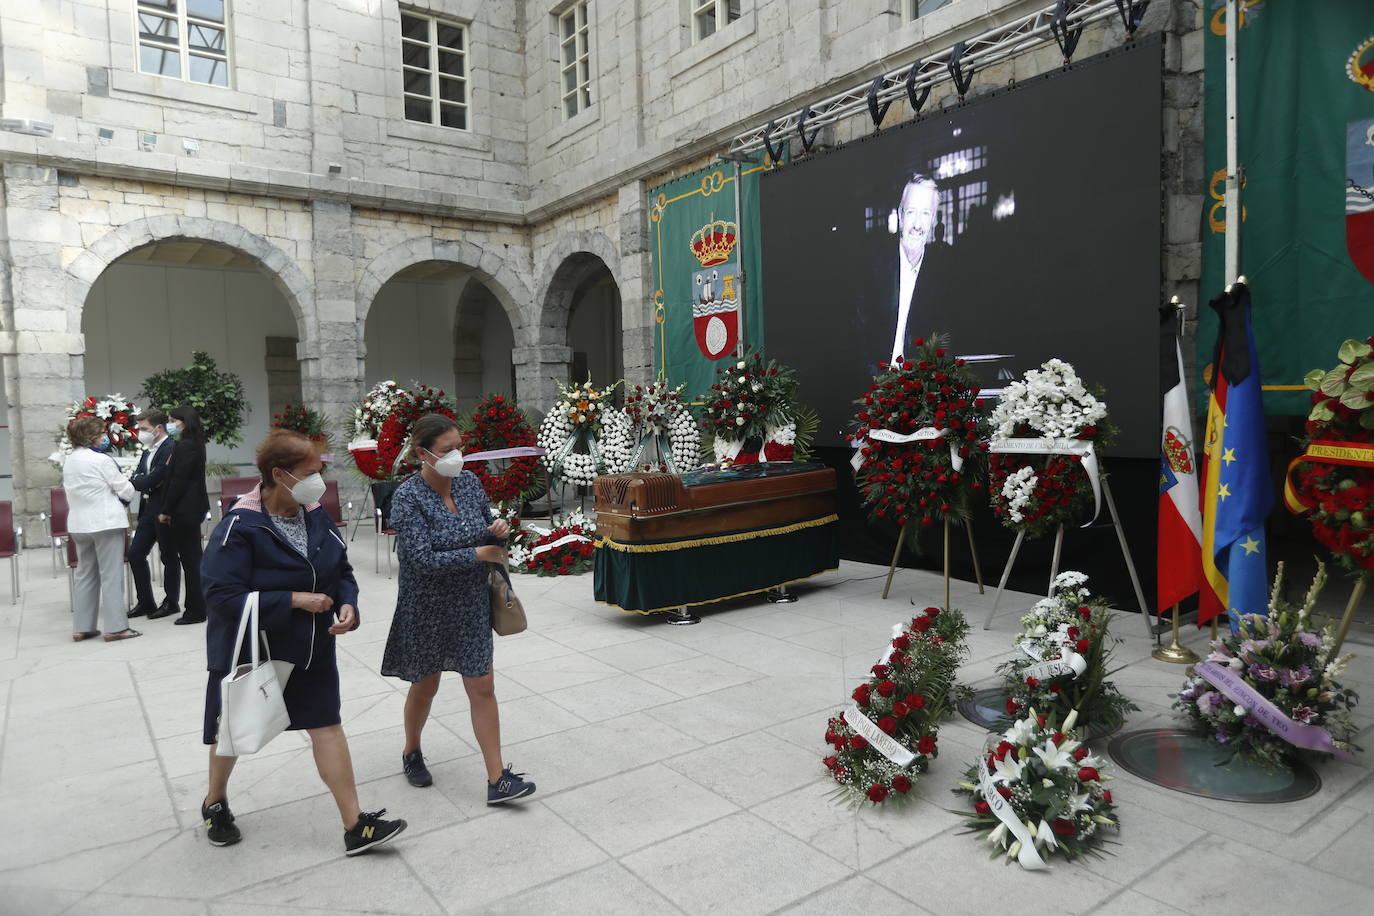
x: 1077, y: 448
x: 924, y: 434
x: 1027, y: 855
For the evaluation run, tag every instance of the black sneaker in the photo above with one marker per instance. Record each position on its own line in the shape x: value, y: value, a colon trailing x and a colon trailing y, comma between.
x: 508, y: 788
x: 219, y: 824
x: 416, y: 771
x: 371, y: 831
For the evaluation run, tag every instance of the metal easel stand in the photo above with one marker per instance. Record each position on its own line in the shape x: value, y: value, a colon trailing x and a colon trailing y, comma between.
x: 1058, y: 552
x: 362, y: 512
x: 972, y: 549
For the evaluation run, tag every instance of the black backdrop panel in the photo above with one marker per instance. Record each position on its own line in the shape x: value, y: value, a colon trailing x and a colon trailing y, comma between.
x: 1047, y: 242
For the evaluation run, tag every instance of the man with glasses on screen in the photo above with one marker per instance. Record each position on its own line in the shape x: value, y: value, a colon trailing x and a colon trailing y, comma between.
x: 916, y: 217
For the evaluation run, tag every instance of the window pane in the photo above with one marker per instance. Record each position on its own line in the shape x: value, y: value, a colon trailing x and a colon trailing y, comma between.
x: 450, y: 36
x: 586, y: 96
x: 418, y: 110
x: 209, y: 70
x: 454, y: 116
x: 413, y: 55
x: 569, y: 80
x: 570, y: 106
x: 582, y: 43
x: 204, y: 38
x: 206, y: 9
x: 732, y: 10
x: 152, y: 27
x: 414, y: 27
x: 568, y: 25
x: 453, y: 90
x: 169, y: 5
x: 582, y: 15
x: 706, y: 23
x: 451, y: 63
x: 569, y: 52
x: 923, y: 7
x: 415, y: 82
x: 584, y: 71
x: 159, y: 61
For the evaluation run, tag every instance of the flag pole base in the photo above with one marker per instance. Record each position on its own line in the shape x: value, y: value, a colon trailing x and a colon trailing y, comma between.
x: 1175, y: 652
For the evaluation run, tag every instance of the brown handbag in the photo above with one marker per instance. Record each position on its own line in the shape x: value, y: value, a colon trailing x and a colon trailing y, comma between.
x: 507, y: 613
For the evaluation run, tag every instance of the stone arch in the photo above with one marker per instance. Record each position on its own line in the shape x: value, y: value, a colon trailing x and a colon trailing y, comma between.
x: 285, y: 273
x: 566, y: 265
x: 486, y: 266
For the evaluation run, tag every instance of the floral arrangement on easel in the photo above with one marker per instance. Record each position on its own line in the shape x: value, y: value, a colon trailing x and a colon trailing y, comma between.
x: 304, y: 420
x: 371, y: 416
x: 917, y: 437
x: 1335, y: 475
x: 117, y: 413
x: 1061, y: 666
x: 1036, y: 491
x: 1039, y: 792
x: 654, y: 432
x: 751, y: 413
x: 1287, y: 686
x: 571, y: 432
x: 395, y: 431
x: 566, y: 550
x: 899, y: 708
x: 496, y: 423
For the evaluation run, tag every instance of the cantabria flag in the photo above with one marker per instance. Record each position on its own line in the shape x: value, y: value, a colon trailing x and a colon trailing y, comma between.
x: 1179, y: 565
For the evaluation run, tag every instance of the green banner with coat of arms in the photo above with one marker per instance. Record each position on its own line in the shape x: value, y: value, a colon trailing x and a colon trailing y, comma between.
x: 1305, y: 128
x: 708, y: 295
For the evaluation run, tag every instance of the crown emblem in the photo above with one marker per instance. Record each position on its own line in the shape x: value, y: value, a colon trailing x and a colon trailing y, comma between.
x: 1361, y: 69
x: 713, y: 243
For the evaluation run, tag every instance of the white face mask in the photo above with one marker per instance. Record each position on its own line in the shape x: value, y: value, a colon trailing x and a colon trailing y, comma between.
x: 146, y: 438
x: 308, y: 489
x: 451, y: 465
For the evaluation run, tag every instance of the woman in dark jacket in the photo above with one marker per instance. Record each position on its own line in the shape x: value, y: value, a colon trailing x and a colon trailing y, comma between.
x: 279, y: 542
x: 184, y: 504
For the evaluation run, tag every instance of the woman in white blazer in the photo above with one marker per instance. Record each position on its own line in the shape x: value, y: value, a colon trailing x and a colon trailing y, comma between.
x: 97, y: 520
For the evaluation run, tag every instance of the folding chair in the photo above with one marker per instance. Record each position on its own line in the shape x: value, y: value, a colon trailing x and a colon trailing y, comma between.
x: 330, y: 502
x: 10, y: 545
x: 55, y: 521
x: 381, y: 523
x: 72, y: 564
x: 231, y: 488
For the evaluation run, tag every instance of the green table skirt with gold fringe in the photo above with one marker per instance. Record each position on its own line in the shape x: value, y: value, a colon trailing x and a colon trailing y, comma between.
x: 644, y: 577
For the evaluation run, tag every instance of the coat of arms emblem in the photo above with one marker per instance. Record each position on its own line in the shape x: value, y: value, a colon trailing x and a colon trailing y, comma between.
x: 715, y: 296
x: 1359, y: 195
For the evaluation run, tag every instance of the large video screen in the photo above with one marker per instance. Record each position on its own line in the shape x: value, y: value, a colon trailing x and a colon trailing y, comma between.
x: 1026, y: 223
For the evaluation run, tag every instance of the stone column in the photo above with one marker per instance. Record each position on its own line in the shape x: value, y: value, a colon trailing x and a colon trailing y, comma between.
x: 535, y: 369
x: 41, y: 344
x: 637, y: 320
x: 330, y: 355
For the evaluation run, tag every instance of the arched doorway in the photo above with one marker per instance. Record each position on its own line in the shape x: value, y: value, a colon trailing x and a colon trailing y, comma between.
x: 437, y: 323
x: 152, y: 306
x: 594, y: 333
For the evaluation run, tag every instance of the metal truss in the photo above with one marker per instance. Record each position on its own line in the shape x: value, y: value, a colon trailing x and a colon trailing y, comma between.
x: 1061, y: 22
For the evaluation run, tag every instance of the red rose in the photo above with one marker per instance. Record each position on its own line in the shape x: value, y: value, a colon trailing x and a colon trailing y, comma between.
x: 901, y: 783
x: 1032, y: 683
x: 881, y: 671
x: 926, y: 745
x: 887, y: 724
x: 932, y: 612
x: 89, y: 403
x: 1040, y: 720
x: 876, y: 793
x: 1087, y: 774
x: 982, y: 808
x: 916, y: 701
x: 887, y: 689
x: 858, y: 742
x: 830, y: 762
x: 1107, y: 796
x: 1085, y: 613
x: 902, y: 643
x: 1080, y: 753
x: 900, y: 709
x: 1063, y: 827
x: 1012, y: 706
x: 1082, y: 646
x: 1004, y: 792
x: 1057, y: 738
x: 921, y: 624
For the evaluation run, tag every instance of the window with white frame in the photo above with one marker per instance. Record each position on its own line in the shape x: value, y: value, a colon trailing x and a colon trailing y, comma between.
x: 184, y: 39
x: 434, y: 70
x: 710, y: 16
x: 918, y: 8
x: 575, y: 59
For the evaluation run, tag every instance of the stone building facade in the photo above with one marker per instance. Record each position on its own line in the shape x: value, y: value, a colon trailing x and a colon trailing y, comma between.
x: 306, y: 163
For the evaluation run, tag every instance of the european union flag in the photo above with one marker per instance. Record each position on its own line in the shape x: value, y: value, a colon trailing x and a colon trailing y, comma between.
x: 1236, y: 492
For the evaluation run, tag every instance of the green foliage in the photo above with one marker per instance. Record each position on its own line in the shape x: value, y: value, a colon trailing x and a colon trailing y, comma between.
x: 217, y: 396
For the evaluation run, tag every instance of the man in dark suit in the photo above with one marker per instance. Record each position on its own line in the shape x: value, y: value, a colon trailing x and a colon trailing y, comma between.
x: 150, y: 480
x: 922, y: 261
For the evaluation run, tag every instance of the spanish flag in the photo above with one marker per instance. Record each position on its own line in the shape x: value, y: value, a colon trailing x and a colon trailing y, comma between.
x: 1236, y: 494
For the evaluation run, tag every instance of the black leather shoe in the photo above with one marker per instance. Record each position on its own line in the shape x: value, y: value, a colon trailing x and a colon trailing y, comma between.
x: 141, y: 610
x: 188, y: 617
x: 165, y: 609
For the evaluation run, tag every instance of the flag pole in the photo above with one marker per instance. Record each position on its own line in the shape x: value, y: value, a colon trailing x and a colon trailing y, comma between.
x: 1233, y: 204
x: 1175, y: 652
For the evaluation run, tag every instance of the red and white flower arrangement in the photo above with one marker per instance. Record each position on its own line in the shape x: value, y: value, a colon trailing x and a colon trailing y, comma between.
x: 887, y: 737
x: 1033, y: 492
x: 116, y: 412
x: 392, y: 458
x: 1039, y: 792
x: 1062, y: 660
x: 1334, y: 480
x: 566, y: 550
x: 496, y: 423
x: 917, y: 433
x: 751, y: 412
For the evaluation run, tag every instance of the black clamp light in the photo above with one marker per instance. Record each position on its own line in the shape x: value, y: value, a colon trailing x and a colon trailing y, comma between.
x: 917, y: 100
x: 774, y: 153
x: 806, y: 141
x: 1065, y: 37
x: 875, y: 111
x: 962, y: 80
x: 1132, y: 12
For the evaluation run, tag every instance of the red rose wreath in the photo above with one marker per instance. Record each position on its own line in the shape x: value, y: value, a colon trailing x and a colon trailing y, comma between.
x: 395, y: 431
x: 929, y: 394
x: 498, y: 424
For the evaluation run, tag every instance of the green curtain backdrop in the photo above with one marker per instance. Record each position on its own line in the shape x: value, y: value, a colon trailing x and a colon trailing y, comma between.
x: 679, y: 211
x: 1306, y: 108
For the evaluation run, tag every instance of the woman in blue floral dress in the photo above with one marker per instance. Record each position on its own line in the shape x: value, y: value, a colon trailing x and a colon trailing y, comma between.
x: 446, y: 536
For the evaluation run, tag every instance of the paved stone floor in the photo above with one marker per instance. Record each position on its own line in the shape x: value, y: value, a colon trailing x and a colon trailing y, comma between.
x: 678, y: 770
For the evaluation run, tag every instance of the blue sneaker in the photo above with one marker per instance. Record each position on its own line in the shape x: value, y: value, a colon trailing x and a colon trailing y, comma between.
x: 508, y: 788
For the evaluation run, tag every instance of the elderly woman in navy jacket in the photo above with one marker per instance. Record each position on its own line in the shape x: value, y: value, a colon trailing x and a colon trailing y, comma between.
x: 278, y: 541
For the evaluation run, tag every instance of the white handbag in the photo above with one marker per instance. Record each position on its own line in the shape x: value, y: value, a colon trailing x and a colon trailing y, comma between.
x: 252, y: 711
